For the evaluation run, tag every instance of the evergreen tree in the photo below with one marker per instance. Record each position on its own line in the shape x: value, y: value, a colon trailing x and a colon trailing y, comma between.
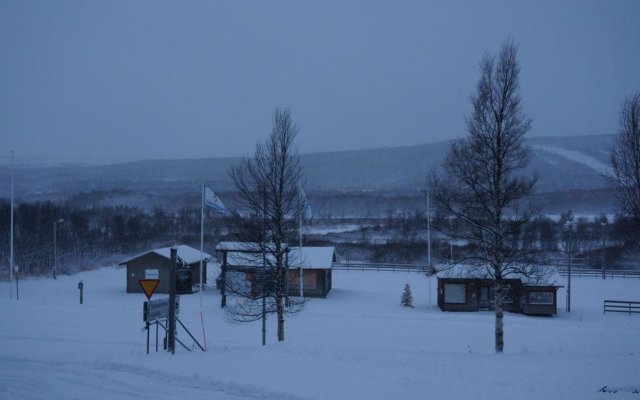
x: 407, y: 299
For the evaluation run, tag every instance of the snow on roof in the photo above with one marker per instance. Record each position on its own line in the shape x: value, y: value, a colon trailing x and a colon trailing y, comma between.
x: 312, y: 257
x: 186, y: 253
x: 543, y: 276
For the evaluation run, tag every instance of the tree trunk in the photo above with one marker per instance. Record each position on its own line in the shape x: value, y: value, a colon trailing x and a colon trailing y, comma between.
x: 280, y: 305
x: 280, y: 312
x: 499, y: 317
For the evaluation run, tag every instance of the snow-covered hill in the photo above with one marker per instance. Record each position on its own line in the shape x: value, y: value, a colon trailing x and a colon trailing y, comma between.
x: 562, y: 164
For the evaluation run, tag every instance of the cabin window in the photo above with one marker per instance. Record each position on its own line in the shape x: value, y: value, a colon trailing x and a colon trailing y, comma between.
x: 541, y: 298
x: 455, y: 293
x: 507, y: 294
x: 151, y: 274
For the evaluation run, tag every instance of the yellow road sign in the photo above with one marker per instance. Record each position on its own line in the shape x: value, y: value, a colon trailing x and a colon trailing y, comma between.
x: 148, y: 286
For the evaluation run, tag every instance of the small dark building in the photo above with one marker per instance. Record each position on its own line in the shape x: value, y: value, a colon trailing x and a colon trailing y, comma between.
x: 155, y: 264
x: 309, y: 266
x: 470, y: 289
x: 310, y: 270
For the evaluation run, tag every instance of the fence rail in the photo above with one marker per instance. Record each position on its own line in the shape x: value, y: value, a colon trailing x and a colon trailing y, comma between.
x: 380, y: 267
x: 631, y: 307
x: 418, y: 268
x: 597, y: 273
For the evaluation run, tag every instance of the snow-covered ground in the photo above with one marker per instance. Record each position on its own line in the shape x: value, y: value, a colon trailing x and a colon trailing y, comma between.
x: 359, y: 343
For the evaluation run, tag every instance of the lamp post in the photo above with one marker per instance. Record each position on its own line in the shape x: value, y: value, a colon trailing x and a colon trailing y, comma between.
x: 603, y: 224
x: 55, y: 245
x: 11, y: 235
x: 570, y: 227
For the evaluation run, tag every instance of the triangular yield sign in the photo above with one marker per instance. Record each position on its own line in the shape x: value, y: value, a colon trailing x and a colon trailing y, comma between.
x: 148, y: 286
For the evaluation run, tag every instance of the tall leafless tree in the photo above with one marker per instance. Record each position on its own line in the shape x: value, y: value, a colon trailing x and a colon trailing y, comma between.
x: 625, y: 159
x: 268, y: 184
x: 480, y: 183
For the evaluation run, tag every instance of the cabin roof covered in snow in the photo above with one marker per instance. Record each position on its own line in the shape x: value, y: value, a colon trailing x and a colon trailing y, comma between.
x: 312, y: 257
x: 186, y: 253
x: 544, y: 276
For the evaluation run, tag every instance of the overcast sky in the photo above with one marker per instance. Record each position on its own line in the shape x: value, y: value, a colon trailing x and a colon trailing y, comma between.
x: 124, y: 80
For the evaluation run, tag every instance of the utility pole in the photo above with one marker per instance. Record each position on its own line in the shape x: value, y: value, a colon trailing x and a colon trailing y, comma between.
x: 171, y: 339
x: 11, y: 235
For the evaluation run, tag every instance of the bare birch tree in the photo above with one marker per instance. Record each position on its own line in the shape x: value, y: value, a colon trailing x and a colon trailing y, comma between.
x: 625, y: 159
x: 480, y: 183
x: 268, y: 184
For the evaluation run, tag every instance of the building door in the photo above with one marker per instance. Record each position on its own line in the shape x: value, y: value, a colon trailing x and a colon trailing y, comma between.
x: 483, y: 302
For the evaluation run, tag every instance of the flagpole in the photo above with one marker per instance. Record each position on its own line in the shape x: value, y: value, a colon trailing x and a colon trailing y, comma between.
x: 11, y: 241
x: 429, y: 244
x: 300, y: 231
x: 201, y: 240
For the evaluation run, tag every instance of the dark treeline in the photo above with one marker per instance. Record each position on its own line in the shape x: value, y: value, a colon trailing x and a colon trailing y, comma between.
x: 91, y: 236
x: 401, y: 238
x: 94, y: 235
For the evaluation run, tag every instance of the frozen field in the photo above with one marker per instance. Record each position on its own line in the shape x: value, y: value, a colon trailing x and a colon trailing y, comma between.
x: 359, y: 343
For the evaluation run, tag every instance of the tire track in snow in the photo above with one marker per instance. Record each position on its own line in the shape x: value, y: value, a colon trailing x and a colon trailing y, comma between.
x: 35, y: 380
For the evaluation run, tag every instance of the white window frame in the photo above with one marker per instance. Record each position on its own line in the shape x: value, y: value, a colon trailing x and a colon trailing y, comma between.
x: 152, y: 273
x: 448, y: 300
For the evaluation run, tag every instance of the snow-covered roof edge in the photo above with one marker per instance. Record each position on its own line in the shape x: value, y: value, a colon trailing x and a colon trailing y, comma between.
x: 186, y: 253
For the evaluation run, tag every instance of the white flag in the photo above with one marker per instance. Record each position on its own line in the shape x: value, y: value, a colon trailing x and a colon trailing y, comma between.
x: 211, y: 200
x: 306, y: 207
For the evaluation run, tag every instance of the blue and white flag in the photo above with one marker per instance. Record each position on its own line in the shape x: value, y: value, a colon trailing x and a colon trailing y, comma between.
x: 306, y: 207
x: 213, y: 201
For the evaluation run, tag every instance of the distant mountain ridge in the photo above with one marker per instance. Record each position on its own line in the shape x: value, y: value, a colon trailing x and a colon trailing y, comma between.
x: 562, y: 164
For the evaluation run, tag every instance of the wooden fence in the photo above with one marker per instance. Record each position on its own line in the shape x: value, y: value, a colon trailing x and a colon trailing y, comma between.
x: 380, y: 267
x: 631, y: 307
x: 597, y: 273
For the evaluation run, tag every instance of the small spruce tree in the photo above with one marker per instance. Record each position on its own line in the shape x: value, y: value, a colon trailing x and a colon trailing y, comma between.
x: 406, y: 299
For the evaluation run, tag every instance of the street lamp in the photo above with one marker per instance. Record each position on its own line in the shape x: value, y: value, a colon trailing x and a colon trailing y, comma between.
x: 55, y: 244
x: 603, y: 224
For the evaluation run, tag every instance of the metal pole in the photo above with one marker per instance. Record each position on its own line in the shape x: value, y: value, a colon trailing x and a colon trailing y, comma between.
x: 17, y: 289
x: 264, y: 317
x: 201, y: 241
x: 450, y: 242
x: 147, y: 326
x: 55, y: 253
x: 11, y: 235
x: 604, y: 249
x: 429, y: 243
x: 300, y: 260
x: 172, y: 302
x: 569, y: 284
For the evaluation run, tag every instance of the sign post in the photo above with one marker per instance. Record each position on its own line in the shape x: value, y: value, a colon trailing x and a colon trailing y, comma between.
x: 172, y: 302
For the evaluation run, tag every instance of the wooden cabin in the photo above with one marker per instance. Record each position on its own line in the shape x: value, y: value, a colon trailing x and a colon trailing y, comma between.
x: 310, y: 271
x: 242, y: 264
x: 155, y: 264
x: 464, y: 288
